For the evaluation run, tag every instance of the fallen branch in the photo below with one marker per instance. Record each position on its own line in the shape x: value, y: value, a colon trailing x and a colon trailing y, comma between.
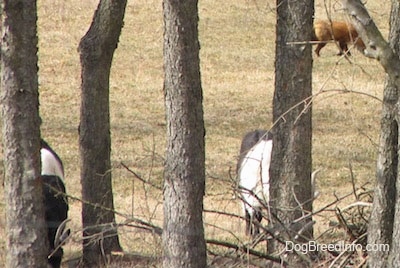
x: 246, y: 250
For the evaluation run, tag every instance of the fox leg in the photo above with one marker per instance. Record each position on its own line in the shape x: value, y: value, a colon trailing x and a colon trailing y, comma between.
x: 319, y: 47
x: 344, y: 49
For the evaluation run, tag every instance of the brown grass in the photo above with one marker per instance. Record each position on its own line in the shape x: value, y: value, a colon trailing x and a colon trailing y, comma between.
x: 237, y: 67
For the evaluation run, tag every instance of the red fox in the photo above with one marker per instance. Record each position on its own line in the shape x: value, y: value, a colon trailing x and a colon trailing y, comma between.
x: 338, y: 31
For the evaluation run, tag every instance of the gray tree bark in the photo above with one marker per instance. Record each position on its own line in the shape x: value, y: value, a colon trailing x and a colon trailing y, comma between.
x: 184, y: 178
x: 96, y: 53
x: 290, y: 171
x: 385, y: 217
x: 25, y: 226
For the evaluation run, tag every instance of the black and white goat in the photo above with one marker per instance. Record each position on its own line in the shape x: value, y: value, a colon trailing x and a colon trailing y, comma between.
x: 253, y: 175
x: 55, y: 202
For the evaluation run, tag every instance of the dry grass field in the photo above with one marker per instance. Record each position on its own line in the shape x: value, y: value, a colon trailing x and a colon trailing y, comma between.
x: 237, y: 66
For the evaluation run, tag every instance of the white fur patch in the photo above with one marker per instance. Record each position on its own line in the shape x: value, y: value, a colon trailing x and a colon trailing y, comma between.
x: 254, y: 175
x: 50, y: 164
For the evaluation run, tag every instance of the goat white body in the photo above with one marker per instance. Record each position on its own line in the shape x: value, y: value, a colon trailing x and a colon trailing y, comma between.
x: 254, y: 176
x: 50, y: 164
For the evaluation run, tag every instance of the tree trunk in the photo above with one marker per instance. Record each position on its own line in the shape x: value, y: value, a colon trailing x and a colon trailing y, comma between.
x: 26, y: 235
x: 96, y: 53
x: 184, y: 178
x: 392, y: 193
x: 291, y: 158
x: 380, y: 229
x: 385, y: 217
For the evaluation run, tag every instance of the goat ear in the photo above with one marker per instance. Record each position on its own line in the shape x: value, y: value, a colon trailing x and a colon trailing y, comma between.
x: 61, y: 234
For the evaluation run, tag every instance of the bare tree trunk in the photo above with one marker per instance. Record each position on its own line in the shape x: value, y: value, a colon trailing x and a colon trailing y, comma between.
x: 385, y: 217
x: 25, y: 228
x: 392, y: 88
x: 96, y: 53
x: 380, y: 226
x: 291, y: 191
x: 184, y: 178
x: 381, y: 222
